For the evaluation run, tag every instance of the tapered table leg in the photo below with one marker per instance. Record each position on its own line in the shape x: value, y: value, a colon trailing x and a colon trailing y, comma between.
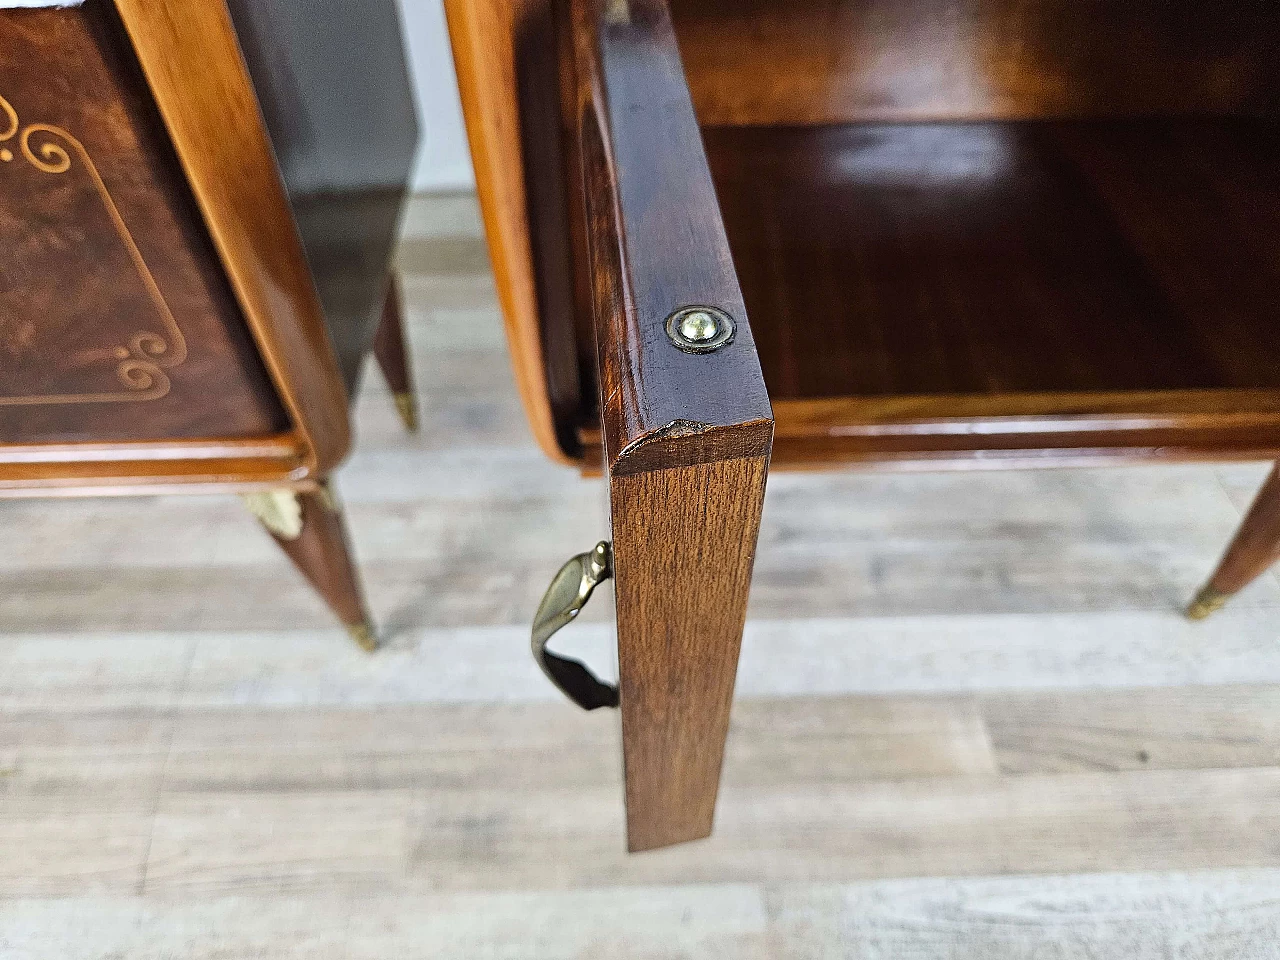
x: 310, y: 530
x: 1255, y: 548
x: 392, y: 351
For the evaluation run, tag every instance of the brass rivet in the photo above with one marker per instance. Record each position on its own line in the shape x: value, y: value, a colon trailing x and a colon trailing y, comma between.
x: 6, y: 155
x: 698, y: 326
x: 698, y: 329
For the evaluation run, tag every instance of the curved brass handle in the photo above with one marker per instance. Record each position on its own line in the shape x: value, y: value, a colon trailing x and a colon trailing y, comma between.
x: 568, y: 594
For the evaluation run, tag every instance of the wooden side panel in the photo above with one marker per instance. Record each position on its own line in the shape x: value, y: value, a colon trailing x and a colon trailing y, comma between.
x: 831, y: 61
x: 116, y: 319
x: 489, y: 39
x: 687, y: 435
x: 193, y: 65
x: 337, y: 100
x: 658, y: 244
x: 684, y: 545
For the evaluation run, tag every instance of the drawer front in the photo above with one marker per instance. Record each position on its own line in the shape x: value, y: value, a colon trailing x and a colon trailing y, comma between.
x: 686, y: 421
x: 117, y: 321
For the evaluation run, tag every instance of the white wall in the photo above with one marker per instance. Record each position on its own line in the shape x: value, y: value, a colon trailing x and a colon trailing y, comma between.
x: 443, y: 160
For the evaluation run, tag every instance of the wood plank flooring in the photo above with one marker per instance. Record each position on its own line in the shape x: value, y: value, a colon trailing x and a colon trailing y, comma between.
x: 971, y: 722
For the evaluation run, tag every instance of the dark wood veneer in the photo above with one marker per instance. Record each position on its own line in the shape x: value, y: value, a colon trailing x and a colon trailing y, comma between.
x: 684, y: 541
x: 658, y: 244
x: 335, y: 94
x: 1005, y: 258
x: 87, y: 352
x: 835, y: 61
x: 686, y: 436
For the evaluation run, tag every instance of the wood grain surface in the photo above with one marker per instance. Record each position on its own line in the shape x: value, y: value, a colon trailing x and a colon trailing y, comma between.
x: 543, y: 69
x: 217, y: 415
x: 954, y: 259
x: 1092, y: 219
x: 116, y: 319
x: 684, y: 542
x: 657, y: 244
x: 1220, y: 915
x: 486, y: 38
x: 858, y: 60
x: 322, y: 554
x: 686, y: 435
x: 191, y: 58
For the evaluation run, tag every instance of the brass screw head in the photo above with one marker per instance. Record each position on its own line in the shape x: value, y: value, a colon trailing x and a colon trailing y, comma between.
x: 698, y: 329
x: 698, y: 326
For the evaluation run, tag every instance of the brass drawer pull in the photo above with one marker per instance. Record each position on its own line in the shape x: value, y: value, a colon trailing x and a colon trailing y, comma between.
x: 569, y: 592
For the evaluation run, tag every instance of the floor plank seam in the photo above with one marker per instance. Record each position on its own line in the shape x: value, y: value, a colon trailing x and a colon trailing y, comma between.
x: 175, y: 712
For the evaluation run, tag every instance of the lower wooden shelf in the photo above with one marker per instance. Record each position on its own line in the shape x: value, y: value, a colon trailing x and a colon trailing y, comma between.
x: 993, y: 258
x: 1061, y: 289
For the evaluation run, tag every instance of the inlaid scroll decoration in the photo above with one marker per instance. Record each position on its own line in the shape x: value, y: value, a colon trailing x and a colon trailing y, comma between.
x: 141, y: 361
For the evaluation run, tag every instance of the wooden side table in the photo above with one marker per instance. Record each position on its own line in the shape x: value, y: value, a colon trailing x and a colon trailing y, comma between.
x: 200, y: 205
x: 967, y: 235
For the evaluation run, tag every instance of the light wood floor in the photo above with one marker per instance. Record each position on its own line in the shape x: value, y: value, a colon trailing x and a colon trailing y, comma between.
x: 971, y: 722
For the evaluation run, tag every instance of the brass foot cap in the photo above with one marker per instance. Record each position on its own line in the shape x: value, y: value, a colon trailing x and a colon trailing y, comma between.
x: 408, y: 411
x: 363, y: 635
x: 1207, y: 601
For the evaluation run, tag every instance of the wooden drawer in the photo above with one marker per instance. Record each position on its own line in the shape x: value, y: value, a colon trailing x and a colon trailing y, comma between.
x: 117, y: 321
